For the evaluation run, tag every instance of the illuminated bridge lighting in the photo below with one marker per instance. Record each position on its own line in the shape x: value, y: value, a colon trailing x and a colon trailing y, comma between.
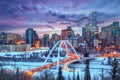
x: 62, y: 44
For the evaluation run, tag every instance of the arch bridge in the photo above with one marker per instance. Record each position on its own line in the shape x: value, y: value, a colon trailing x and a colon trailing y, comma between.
x: 61, y: 47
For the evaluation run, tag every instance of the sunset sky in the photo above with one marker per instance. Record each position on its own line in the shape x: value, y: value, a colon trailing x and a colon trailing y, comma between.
x: 51, y: 16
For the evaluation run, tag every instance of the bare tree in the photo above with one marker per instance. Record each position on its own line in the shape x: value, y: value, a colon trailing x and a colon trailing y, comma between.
x: 114, y: 71
x: 78, y: 77
x: 60, y: 76
x: 45, y: 75
x: 87, y: 72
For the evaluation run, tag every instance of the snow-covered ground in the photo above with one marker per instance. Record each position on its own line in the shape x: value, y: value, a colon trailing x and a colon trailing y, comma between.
x: 98, y: 67
x: 18, y: 54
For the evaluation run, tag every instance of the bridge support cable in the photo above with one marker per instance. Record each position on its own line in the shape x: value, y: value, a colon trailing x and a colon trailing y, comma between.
x: 66, y: 48
x: 51, y: 52
x: 59, y: 47
x: 73, y: 49
x: 58, y: 55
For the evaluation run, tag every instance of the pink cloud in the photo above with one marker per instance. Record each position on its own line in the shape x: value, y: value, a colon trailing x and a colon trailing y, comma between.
x: 15, y: 23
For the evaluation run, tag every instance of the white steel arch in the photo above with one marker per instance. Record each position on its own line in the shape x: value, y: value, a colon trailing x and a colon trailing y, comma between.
x: 59, y: 44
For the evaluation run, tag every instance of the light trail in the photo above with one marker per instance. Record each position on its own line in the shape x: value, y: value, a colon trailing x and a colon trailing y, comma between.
x: 65, y: 66
x: 72, y: 58
x: 30, y: 73
x: 109, y: 55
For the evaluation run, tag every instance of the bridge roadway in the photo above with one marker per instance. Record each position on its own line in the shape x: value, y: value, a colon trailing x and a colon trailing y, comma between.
x: 114, y: 55
x: 67, y: 61
x: 29, y: 73
x: 65, y: 66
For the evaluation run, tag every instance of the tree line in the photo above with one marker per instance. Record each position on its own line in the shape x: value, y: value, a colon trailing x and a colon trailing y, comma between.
x: 49, y: 75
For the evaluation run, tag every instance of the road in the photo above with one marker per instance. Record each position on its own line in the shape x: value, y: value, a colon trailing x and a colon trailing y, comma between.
x: 65, y: 66
x: 66, y: 62
x: 29, y: 73
x: 115, y: 55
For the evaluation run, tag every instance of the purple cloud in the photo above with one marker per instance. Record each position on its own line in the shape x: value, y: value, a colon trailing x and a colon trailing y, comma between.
x: 54, y: 14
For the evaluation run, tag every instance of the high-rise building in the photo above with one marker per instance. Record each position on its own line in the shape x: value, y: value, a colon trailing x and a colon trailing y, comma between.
x: 116, y: 24
x: 83, y: 32
x: 3, y: 38
x: 12, y: 38
x: 45, y: 40
x: 9, y: 38
x: 118, y: 41
x: 15, y: 48
x: 30, y: 38
x: 80, y: 38
x: 115, y: 29
x: 67, y: 33
x: 55, y: 37
x: 111, y: 32
x: 64, y: 34
x: 17, y: 37
x: 94, y: 19
x: 74, y: 41
x: 35, y: 36
x: 90, y: 32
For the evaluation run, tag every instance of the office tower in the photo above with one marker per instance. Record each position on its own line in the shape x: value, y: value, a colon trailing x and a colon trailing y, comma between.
x: 30, y: 36
x: 3, y: 38
x: 111, y: 33
x: 94, y: 19
x: 55, y: 37
x: 67, y: 33
x: 45, y: 40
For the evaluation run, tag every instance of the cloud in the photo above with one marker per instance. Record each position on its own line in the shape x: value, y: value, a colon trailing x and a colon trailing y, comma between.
x: 49, y: 26
x: 54, y: 14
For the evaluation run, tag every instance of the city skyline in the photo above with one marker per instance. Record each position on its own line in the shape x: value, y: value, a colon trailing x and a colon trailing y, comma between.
x: 46, y: 16
x: 59, y: 40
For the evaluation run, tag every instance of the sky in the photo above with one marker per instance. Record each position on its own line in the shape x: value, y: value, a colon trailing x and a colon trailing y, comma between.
x: 51, y: 16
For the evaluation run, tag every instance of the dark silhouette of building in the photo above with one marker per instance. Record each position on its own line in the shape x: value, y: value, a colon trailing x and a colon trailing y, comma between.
x: 30, y: 38
x: 67, y: 33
